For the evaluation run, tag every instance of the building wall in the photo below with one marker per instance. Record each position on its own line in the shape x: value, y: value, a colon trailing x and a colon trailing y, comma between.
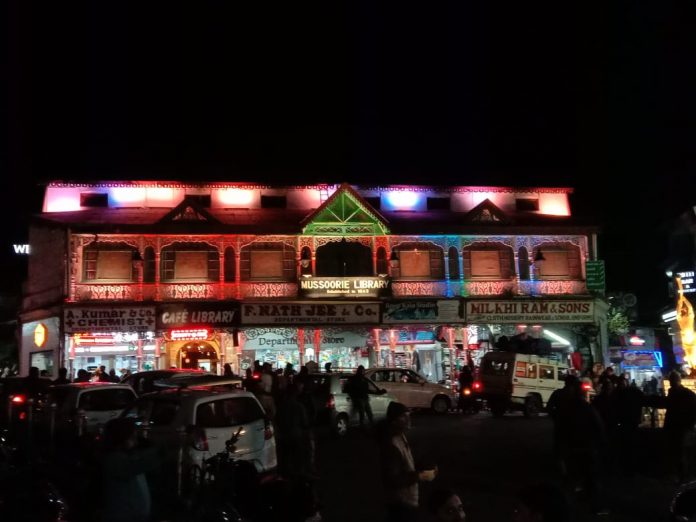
x: 45, y: 285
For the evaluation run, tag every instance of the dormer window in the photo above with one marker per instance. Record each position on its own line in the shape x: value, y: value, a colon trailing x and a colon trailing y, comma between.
x: 94, y: 200
x: 527, y: 204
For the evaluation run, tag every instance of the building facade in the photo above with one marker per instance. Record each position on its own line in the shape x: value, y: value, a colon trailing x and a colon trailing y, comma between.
x: 141, y: 275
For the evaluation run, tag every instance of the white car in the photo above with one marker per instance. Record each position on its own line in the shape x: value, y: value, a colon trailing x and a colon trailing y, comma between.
x: 203, y: 419
x: 412, y: 390
x: 95, y: 402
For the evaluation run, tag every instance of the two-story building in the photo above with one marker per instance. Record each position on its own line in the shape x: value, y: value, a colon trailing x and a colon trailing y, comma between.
x: 135, y: 275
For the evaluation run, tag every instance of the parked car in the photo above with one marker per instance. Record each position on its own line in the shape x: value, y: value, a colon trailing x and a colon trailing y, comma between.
x: 98, y: 402
x: 203, y: 419
x: 207, y: 380
x: 144, y: 382
x: 333, y: 406
x: 518, y: 381
x: 413, y: 390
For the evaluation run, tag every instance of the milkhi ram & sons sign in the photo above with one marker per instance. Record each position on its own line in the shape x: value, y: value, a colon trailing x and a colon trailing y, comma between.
x: 530, y: 311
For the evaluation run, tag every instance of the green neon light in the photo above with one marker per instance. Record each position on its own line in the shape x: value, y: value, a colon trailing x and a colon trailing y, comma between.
x: 347, y: 216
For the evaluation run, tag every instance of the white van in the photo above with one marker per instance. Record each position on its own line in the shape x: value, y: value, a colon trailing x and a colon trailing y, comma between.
x: 520, y: 381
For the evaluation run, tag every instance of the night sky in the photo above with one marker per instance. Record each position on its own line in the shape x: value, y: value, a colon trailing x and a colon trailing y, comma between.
x: 601, y: 98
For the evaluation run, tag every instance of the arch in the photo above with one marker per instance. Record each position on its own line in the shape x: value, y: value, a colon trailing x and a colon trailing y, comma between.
x: 382, y: 263
x: 488, y: 260
x: 523, y: 260
x: 344, y: 259
x: 112, y: 261
x: 267, y: 261
x: 453, y: 262
x: 193, y: 354
x: 562, y: 261
x: 230, y: 267
x: 420, y: 260
x: 189, y: 261
x: 149, y: 268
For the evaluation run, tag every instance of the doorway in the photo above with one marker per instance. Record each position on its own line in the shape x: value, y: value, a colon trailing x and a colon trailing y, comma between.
x: 197, y: 355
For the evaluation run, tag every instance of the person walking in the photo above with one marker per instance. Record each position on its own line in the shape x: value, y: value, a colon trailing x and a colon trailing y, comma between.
x: 627, y: 405
x: 227, y: 372
x: 399, y: 472
x: 680, y: 418
x: 358, y: 391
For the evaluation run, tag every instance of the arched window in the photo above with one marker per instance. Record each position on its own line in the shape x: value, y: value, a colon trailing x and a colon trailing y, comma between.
x: 267, y: 261
x: 108, y: 262
x: 453, y: 258
x: 230, y: 266
x: 382, y: 264
x: 190, y: 262
x: 344, y: 259
x: 523, y: 258
x: 149, y: 265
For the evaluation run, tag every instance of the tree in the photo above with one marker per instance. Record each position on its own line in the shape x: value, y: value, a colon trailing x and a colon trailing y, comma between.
x: 617, y: 322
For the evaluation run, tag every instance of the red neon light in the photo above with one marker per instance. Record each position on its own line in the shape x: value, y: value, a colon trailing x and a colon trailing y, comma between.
x: 190, y: 334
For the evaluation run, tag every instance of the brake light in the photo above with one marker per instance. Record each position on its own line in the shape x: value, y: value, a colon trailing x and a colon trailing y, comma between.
x: 256, y: 376
x: 22, y: 415
x: 467, y: 391
x: 19, y: 399
x: 586, y: 386
x: 268, y: 432
x: 478, y: 386
x: 200, y: 441
x: 331, y: 403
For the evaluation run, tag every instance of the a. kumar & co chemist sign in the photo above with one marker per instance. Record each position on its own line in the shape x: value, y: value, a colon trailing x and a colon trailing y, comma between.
x: 530, y: 311
x: 112, y: 319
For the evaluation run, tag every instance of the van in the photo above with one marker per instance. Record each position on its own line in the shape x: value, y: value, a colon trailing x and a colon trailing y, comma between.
x: 519, y: 381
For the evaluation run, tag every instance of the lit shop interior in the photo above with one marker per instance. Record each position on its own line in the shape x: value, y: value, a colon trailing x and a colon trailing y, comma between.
x: 118, y: 351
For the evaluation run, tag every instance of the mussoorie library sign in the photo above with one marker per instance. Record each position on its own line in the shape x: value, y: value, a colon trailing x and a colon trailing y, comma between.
x: 530, y: 311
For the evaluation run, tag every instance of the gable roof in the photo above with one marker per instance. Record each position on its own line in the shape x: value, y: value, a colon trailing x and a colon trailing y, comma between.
x: 345, y: 213
x: 487, y: 212
x: 188, y: 211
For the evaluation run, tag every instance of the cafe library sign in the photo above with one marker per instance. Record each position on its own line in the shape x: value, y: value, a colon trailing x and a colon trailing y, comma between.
x: 530, y: 311
x: 343, y: 286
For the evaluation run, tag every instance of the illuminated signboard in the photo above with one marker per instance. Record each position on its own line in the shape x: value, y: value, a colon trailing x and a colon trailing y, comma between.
x: 343, y: 286
x: 687, y: 279
x: 189, y: 334
x: 40, y: 335
x: 22, y: 250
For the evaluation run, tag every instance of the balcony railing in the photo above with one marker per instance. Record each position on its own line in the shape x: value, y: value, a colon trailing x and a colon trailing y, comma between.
x: 277, y: 290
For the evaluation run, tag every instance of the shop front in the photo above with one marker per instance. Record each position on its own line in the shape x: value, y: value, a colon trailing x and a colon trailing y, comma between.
x: 419, y: 334
x: 41, y: 345
x: 198, y: 335
x: 298, y: 332
x: 121, y: 338
x: 554, y: 328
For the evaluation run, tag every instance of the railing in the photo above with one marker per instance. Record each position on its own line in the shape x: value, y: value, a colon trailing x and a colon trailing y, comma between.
x: 552, y: 288
x: 264, y: 290
x: 107, y: 292
x: 419, y: 288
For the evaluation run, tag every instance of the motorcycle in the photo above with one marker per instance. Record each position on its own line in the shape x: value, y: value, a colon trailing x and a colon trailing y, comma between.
x: 470, y: 400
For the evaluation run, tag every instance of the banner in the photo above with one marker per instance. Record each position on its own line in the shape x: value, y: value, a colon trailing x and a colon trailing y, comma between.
x: 289, y: 338
x: 333, y: 287
x: 310, y: 313
x: 111, y: 319
x: 530, y: 311
x: 176, y: 315
x: 422, y: 311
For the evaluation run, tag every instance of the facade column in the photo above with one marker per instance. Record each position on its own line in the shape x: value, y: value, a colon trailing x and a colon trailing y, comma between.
x: 314, y: 263
x: 460, y: 256
x: 238, y: 273
x: 139, y: 354
x: 158, y: 352
x: 517, y: 271
x: 378, y: 348
x: 139, y: 270
x: 317, y: 344
x: 301, y: 345
x: 158, y: 294
x: 392, y: 347
x: 447, y: 275
x: 221, y: 276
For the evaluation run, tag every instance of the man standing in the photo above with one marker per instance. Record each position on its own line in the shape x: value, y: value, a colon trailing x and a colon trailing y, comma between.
x: 398, y: 468
x: 679, y: 423
x: 358, y: 391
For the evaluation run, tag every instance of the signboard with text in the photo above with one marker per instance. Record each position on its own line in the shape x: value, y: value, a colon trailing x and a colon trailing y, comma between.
x: 343, y: 286
x: 310, y: 313
x: 286, y: 338
x: 176, y: 315
x: 530, y: 311
x: 111, y: 319
x: 595, y: 278
x: 422, y: 311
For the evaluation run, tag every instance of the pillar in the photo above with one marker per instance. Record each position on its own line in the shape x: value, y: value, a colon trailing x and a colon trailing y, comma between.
x: 447, y: 274
x: 158, y: 295
x: 301, y: 344
x: 241, y: 338
x: 392, y: 347
x: 317, y: 344
x: 378, y: 348
x: 139, y: 354
x: 221, y: 276
x: 238, y: 272
x: 158, y: 352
